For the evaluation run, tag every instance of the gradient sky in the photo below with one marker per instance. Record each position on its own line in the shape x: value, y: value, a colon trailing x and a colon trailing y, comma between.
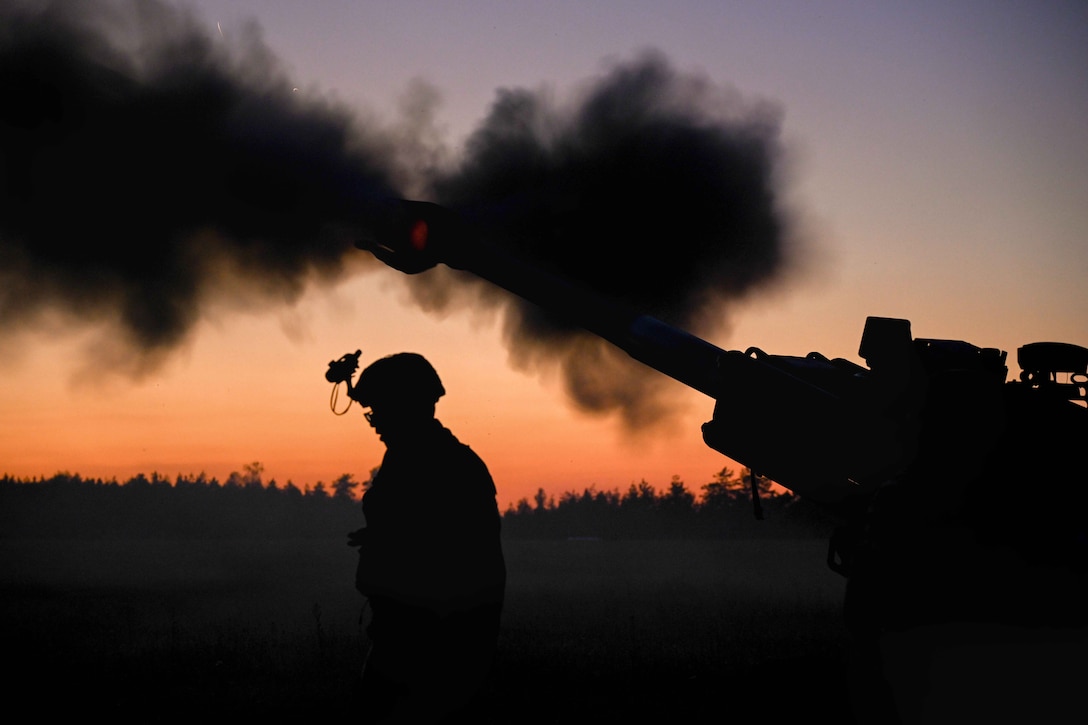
x: 937, y: 156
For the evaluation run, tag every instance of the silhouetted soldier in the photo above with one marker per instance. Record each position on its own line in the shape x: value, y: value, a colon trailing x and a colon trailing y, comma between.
x: 430, y: 556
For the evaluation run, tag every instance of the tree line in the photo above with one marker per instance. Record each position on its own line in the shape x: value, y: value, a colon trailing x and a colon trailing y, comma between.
x: 723, y: 508
x: 244, y: 505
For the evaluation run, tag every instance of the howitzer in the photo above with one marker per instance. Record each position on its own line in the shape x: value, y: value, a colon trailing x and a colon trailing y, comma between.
x: 827, y: 429
x: 932, y: 461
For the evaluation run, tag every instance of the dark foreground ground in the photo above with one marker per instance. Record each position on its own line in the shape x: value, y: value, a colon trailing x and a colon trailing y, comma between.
x: 593, y: 632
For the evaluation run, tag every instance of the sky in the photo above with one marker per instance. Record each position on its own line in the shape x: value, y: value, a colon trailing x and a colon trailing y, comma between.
x: 927, y: 161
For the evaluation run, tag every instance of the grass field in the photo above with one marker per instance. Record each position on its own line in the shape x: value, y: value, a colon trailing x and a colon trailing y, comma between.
x: 593, y: 631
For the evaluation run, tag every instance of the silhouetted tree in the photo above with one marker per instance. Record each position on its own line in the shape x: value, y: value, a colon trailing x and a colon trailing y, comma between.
x: 344, y: 487
x: 677, y: 509
x: 252, y: 475
x: 678, y: 497
x: 722, y: 492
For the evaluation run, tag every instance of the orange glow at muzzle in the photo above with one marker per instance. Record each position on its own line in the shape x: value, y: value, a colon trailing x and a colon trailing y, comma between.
x: 417, y: 235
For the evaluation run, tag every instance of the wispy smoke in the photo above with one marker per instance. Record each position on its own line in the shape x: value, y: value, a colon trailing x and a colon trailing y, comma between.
x: 652, y: 186
x: 147, y: 170
x: 150, y: 169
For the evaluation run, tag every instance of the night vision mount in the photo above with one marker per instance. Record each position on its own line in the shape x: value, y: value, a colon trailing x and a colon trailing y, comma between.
x: 342, y: 371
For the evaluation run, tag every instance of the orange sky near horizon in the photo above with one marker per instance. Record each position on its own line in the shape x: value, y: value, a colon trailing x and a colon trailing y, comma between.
x: 938, y: 160
x: 248, y: 391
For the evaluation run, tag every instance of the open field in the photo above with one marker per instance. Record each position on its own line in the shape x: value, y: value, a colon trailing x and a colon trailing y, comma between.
x: 594, y: 631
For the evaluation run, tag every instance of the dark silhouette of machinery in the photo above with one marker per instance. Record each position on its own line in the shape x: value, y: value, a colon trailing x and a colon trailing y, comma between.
x: 960, y: 494
x: 827, y: 429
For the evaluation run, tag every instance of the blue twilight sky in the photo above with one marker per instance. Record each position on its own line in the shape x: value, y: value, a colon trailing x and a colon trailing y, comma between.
x: 937, y: 155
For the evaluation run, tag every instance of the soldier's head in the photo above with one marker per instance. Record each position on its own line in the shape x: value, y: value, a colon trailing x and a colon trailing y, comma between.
x: 401, y: 391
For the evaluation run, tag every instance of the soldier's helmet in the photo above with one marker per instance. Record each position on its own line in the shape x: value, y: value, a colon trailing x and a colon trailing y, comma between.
x: 402, y: 378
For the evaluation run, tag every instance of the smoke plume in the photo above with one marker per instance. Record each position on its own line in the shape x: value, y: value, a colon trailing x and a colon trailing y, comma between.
x: 148, y: 171
x: 654, y: 187
x: 151, y: 170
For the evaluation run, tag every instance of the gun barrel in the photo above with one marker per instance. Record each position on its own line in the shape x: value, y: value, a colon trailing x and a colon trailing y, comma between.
x: 414, y: 236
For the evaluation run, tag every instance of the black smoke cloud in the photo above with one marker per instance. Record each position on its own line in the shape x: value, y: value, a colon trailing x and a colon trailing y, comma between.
x: 654, y: 187
x: 149, y: 171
